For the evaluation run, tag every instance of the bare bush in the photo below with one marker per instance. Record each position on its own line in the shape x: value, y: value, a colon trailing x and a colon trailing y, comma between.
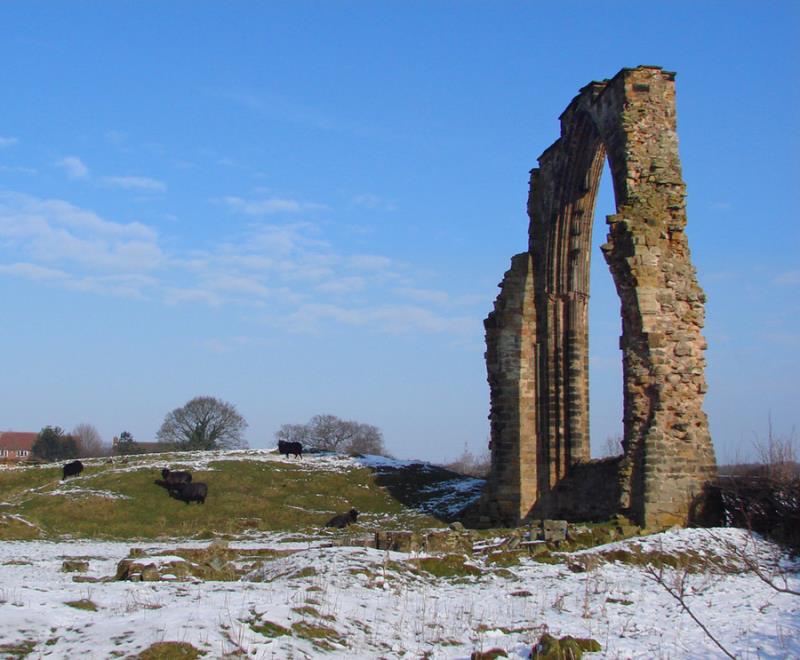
x: 473, y: 465
x: 763, y: 497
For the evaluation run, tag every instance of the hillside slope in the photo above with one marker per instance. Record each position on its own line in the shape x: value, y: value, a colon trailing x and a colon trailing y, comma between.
x: 249, y: 491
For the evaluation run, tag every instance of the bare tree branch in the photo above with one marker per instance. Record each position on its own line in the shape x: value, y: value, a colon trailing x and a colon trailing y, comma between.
x: 678, y: 592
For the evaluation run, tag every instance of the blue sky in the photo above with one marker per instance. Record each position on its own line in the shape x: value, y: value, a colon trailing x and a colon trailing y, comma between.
x: 305, y: 207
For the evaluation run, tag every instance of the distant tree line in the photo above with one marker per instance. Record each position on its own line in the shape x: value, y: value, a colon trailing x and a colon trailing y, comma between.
x: 206, y: 423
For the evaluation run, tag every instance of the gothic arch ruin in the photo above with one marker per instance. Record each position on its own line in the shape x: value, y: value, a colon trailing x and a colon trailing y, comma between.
x: 537, y: 336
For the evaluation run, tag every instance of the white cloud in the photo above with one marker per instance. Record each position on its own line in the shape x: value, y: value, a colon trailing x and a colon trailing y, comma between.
x: 373, y: 202
x: 73, y: 167
x: 721, y: 205
x: 53, y: 231
x: 288, y: 268
x: 142, y: 183
x: 342, y: 286
x: 125, y: 286
x: 7, y: 142
x: 32, y: 272
x: 238, y: 284
x: 790, y: 277
x: 424, y: 295
x: 369, y: 262
x: 175, y: 295
x: 269, y: 206
x: 395, y: 319
x: 18, y: 169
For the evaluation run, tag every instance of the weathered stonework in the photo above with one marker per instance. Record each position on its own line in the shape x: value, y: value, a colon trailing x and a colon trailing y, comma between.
x: 537, y: 336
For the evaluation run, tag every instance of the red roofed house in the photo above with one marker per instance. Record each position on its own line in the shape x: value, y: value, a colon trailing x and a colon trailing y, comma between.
x: 16, y: 446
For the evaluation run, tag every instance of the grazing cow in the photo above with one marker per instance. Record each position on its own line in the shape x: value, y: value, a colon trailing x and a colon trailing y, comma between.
x: 176, y: 477
x: 195, y: 492
x: 294, y: 448
x: 342, y: 520
x: 72, y: 469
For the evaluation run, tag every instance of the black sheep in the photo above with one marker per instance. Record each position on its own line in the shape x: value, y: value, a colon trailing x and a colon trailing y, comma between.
x: 72, y: 469
x: 294, y: 448
x: 342, y: 520
x: 176, y: 477
x: 195, y: 492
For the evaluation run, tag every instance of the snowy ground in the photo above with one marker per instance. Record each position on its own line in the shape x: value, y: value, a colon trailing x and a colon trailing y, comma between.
x: 364, y: 603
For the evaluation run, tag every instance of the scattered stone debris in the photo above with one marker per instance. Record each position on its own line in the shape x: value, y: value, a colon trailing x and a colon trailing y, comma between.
x: 74, y: 566
x: 491, y: 654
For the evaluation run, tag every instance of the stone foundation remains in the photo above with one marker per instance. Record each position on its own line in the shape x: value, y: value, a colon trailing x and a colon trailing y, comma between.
x: 537, y: 336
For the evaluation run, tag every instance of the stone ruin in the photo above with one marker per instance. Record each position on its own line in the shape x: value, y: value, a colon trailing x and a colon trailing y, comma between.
x: 537, y: 338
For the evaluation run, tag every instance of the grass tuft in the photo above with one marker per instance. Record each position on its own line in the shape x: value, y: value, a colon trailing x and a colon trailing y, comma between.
x: 170, y: 651
x: 82, y: 604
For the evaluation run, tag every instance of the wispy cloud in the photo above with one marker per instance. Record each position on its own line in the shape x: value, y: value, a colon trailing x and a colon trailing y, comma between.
x: 393, y: 319
x: 176, y: 295
x: 425, y: 295
x: 720, y: 206
x: 282, y: 108
x: 73, y: 167
x: 373, y: 202
x: 269, y: 206
x: 342, y: 285
x: 30, y: 271
x: 54, y: 231
x: 119, y: 286
x: 289, y: 273
x: 18, y: 169
x: 369, y: 262
x: 141, y: 183
x: 790, y: 277
x: 437, y: 297
x: 7, y: 142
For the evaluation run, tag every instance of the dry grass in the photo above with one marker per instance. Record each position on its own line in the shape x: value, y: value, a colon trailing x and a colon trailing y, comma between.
x: 244, y: 496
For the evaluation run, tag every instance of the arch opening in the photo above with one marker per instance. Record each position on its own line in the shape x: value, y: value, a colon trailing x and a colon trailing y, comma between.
x: 605, y: 358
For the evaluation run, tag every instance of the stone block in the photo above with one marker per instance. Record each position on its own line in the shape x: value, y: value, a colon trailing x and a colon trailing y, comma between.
x: 554, y: 530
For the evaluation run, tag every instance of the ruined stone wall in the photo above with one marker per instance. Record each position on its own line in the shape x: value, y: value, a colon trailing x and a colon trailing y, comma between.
x: 510, y: 362
x: 537, y: 335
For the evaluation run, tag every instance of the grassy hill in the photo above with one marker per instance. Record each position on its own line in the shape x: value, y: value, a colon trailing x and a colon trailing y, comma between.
x: 249, y: 491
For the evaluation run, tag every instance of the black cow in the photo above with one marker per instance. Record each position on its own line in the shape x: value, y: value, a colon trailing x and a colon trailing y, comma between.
x: 294, y: 448
x: 72, y: 469
x: 176, y: 477
x: 342, y: 520
x: 195, y: 492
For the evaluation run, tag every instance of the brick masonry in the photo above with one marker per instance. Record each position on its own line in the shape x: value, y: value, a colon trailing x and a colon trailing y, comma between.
x: 537, y: 335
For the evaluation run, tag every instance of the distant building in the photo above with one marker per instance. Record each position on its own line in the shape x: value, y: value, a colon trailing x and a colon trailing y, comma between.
x: 16, y: 446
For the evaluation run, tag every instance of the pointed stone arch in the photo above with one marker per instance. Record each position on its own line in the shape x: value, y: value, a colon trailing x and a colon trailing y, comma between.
x: 537, y: 336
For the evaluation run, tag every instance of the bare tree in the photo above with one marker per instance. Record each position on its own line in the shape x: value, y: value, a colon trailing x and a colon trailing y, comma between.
x: 89, y: 441
x: 329, y: 433
x: 611, y: 447
x: 204, y: 423
x: 474, y: 465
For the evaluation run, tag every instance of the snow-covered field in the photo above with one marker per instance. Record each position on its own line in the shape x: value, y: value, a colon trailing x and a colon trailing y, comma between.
x: 348, y: 602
